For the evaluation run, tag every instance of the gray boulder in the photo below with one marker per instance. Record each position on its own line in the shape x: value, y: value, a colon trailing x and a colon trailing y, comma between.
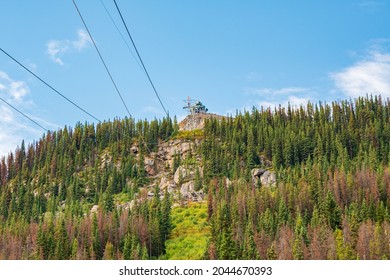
x: 268, y: 178
x: 186, y: 174
x: 187, y: 188
x: 257, y: 172
x: 150, y: 166
x: 94, y: 209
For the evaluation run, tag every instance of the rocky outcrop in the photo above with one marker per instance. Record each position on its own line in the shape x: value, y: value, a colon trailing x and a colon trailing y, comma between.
x: 197, y: 121
x: 192, y: 122
x: 168, y: 150
x: 94, y: 209
x: 188, y: 192
x: 126, y: 206
x: 105, y: 159
x: 150, y: 166
x: 184, y: 178
x: 167, y: 184
x: 150, y: 193
x: 266, y: 177
x: 187, y: 188
x: 134, y: 150
x: 228, y: 182
x: 183, y: 174
x: 257, y: 172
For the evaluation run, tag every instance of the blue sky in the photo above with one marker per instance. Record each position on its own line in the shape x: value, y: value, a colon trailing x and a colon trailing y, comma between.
x: 232, y: 55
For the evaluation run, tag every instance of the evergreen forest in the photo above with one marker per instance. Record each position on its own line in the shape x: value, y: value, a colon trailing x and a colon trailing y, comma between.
x: 84, y: 192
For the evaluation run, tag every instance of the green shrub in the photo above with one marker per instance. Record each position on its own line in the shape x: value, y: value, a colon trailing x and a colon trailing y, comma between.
x: 189, y: 237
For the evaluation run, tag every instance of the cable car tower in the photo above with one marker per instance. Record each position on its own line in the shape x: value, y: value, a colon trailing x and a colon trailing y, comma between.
x: 194, y: 107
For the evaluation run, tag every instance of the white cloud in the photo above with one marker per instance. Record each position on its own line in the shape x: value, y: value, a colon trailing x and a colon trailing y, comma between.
x: 266, y: 104
x: 13, y: 127
x: 297, y: 101
x: 14, y: 130
x: 273, y: 97
x: 294, y: 101
x: 57, y: 48
x: 277, y: 91
x: 5, y: 114
x: 370, y: 75
x: 11, y: 89
x: 83, y: 40
x: 18, y: 90
x: 268, y: 97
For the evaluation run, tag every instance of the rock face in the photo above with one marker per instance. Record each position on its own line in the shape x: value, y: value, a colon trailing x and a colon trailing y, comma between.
x: 188, y: 192
x: 159, y: 164
x: 181, y: 183
x: 168, y: 150
x: 150, y: 166
x: 184, y: 178
x: 192, y: 122
x: 266, y: 177
x: 126, y: 206
x: 182, y: 175
x: 257, y: 172
x: 228, y: 182
x: 197, y: 121
x: 186, y: 174
x: 94, y: 209
x: 187, y: 188
x: 167, y: 184
x: 134, y: 150
x: 150, y: 193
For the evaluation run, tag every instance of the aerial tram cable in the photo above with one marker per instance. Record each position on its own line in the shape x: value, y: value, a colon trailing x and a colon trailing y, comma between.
x: 24, y: 115
x: 139, y: 56
x: 101, y: 58
x: 48, y: 85
x: 120, y: 33
x: 108, y: 71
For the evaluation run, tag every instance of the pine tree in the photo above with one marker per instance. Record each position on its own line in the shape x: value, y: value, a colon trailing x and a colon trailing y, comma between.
x: 62, y: 248
x: 96, y: 242
x: 127, y: 248
x: 109, y: 253
x: 343, y: 249
x: 74, y: 250
x: 165, y: 221
x: 250, y: 251
x: 198, y: 180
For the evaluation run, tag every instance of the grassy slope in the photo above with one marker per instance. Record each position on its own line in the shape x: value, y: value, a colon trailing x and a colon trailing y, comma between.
x: 190, y: 232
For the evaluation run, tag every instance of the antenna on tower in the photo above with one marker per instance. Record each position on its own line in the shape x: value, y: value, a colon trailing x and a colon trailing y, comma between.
x: 196, y: 112
x: 194, y: 107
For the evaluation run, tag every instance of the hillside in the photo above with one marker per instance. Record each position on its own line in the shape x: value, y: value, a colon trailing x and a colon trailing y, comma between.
x: 311, y: 182
x: 197, y: 121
